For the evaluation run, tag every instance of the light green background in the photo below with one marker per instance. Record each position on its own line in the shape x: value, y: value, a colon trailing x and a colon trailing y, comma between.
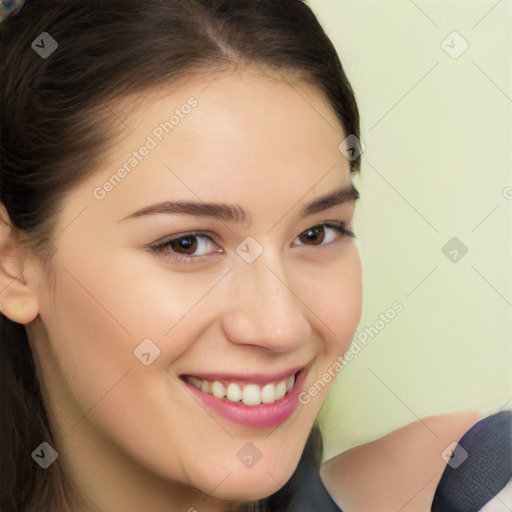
x: 437, y: 132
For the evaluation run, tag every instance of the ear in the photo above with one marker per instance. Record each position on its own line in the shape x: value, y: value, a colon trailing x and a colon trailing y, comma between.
x: 18, y: 300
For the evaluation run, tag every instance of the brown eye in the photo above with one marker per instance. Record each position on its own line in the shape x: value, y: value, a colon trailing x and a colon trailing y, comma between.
x: 184, y: 248
x: 314, y: 234
x: 327, y: 232
x: 187, y: 243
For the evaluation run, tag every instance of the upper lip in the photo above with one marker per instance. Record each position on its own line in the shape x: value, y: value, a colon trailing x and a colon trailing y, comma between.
x: 256, y: 378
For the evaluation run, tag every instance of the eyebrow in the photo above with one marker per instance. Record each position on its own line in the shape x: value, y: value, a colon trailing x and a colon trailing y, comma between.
x: 235, y: 213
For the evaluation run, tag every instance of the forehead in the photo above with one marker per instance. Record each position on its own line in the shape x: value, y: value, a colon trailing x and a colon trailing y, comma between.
x: 250, y: 106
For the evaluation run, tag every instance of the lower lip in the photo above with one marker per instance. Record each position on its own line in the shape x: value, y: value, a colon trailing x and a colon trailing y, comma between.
x: 255, y: 416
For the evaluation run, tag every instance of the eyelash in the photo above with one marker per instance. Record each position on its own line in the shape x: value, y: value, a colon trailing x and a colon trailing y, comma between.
x: 165, y: 245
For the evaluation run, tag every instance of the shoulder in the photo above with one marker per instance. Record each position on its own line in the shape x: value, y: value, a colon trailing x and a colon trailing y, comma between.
x: 399, y: 471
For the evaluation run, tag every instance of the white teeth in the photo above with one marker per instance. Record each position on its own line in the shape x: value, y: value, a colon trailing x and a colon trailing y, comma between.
x: 218, y: 389
x: 281, y: 390
x: 268, y: 394
x: 195, y: 382
x: 251, y: 394
x: 233, y: 393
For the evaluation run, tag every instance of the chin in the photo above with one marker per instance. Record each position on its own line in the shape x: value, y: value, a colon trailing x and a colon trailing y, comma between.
x: 248, y: 490
x: 253, y: 484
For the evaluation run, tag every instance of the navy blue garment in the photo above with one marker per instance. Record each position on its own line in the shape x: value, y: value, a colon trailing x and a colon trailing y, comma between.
x: 311, y: 495
x: 484, y: 473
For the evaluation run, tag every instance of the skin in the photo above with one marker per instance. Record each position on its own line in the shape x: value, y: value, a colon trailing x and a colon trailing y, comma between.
x: 399, y: 471
x: 131, y: 436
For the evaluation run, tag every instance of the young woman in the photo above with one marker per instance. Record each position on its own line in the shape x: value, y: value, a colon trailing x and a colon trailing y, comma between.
x: 178, y: 267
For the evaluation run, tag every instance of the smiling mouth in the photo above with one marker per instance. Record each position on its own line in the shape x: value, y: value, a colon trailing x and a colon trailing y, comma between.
x: 250, y: 394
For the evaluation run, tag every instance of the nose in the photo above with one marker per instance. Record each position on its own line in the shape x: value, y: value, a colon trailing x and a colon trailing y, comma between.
x: 264, y: 309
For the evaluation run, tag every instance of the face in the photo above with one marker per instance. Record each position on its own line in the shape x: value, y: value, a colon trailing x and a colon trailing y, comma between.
x: 148, y: 292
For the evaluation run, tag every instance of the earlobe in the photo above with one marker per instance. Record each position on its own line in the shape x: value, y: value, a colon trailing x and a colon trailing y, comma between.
x: 18, y: 301
x: 21, y: 310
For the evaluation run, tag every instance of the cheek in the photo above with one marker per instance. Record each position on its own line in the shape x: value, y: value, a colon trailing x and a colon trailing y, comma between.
x: 94, y: 377
x: 336, y: 298
x: 95, y: 321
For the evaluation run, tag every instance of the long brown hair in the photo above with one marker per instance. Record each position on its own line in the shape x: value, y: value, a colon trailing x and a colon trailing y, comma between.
x: 54, y: 128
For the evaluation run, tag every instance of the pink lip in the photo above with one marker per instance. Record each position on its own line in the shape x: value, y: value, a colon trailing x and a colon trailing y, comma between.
x: 255, y: 378
x: 257, y: 416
